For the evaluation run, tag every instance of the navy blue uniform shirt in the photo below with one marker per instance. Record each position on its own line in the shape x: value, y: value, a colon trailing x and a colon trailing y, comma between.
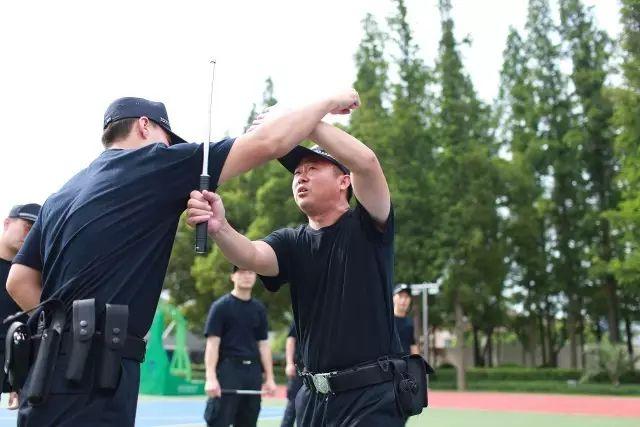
x: 240, y: 325
x: 341, y: 279
x: 107, y: 233
x: 404, y: 325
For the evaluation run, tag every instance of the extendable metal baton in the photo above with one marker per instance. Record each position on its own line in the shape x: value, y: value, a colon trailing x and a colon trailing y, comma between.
x: 201, y: 229
x: 233, y: 391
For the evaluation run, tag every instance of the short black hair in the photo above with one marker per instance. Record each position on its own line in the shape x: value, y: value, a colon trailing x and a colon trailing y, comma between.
x: 117, y: 130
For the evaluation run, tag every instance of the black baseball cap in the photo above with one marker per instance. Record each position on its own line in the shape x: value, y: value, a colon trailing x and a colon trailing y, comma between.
x: 126, y: 108
x: 28, y: 212
x: 292, y: 159
x: 403, y: 287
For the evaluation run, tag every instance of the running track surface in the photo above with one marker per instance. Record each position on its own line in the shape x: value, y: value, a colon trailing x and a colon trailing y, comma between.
x: 159, y: 411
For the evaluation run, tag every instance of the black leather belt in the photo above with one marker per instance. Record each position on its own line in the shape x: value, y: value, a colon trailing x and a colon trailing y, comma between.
x: 134, y: 348
x: 349, y: 379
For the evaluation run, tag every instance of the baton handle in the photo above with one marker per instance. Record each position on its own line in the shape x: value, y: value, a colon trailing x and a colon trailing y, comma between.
x: 201, y: 229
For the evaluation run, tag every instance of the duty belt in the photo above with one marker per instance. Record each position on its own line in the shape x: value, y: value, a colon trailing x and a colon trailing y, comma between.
x: 349, y: 379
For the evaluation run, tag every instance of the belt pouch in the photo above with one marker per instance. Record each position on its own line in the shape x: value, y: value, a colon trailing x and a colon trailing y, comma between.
x: 83, y: 330
x: 47, y: 356
x: 115, y: 336
x: 17, y: 355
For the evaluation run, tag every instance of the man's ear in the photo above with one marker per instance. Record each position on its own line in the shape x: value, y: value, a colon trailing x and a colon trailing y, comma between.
x: 345, y: 182
x: 6, y: 223
x: 142, y: 127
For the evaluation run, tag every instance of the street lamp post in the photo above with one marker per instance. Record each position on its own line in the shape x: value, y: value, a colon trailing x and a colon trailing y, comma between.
x: 425, y: 289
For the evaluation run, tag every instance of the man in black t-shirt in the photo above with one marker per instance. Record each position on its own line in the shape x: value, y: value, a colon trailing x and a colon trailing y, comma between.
x: 340, y: 269
x: 15, y: 229
x: 107, y: 234
x: 404, y: 323
x: 237, y: 353
x: 294, y: 382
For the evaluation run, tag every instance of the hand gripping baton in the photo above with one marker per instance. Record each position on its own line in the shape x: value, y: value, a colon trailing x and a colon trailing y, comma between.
x: 201, y: 229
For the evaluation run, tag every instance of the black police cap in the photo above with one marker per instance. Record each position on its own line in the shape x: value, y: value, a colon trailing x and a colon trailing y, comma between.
x: 28, y: 212
x: 127, y: 108
x: 402, y: 288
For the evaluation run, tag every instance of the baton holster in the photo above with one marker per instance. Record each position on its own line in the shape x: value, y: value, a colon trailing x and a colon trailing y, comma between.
x: 48, y: 350
x: 83, y: 329
x: 115, y: 337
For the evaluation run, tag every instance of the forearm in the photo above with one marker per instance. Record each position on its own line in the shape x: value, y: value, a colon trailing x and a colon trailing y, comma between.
x: 290, y: 350
x: 266, y: 360
x: 347, y: 149
x: 24, y: 285
x: 287, y: 130
x: 211, y: 361
x: 239, y: 250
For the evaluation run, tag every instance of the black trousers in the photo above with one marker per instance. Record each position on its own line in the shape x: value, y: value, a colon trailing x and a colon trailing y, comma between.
x: 239, y: 410
x: 373, y: 406
x: 80, y: 405
x: 293, y: 386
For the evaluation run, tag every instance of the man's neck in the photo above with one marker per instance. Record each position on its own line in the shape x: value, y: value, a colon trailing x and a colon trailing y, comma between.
x: 399, y: 313
x: 130, y: 144
x: 6, y: 252
x: 325, y: 219
x: 243, y: 294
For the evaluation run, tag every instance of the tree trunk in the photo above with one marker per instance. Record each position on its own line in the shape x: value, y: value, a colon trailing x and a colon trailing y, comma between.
x: 487, y: 352
x: 629, y: 333
x: 611, y: 289
x: 543, y: 338
x: 477, y: 358
x: 583, y: 359
x: 532, y: 341
x: 598, y: 331
x: 571, y: 330
x: 461, y: 381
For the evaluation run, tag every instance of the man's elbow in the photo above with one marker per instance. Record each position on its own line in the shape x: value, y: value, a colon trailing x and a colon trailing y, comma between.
x: 12, y: 287
x: 368, y: 163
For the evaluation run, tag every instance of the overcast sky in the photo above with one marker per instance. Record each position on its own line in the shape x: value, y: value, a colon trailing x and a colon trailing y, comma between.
x: 63, y: 62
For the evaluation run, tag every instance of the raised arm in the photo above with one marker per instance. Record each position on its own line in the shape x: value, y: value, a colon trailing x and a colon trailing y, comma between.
x: 367, y: 178
x: 277, y: 132
x: 249, y: 255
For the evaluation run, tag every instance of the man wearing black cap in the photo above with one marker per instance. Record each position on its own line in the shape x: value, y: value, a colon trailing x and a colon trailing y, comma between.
x: 15, y: 229
x: 404, y: 324
x: 340, y: 269
x: 107, y: 234
x: 237, y: 353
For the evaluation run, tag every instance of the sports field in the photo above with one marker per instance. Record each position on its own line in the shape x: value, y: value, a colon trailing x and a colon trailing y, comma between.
x: 447, y: 409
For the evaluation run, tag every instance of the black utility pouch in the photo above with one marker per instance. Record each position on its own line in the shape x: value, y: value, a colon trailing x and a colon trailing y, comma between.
x: 115, y: 337
x: 17, y: 355
x: 47, y: 355
x: 83, y: 329
x: 410, y: 380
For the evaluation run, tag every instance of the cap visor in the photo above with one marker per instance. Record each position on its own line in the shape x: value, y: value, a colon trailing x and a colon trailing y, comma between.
x: 292, y: 159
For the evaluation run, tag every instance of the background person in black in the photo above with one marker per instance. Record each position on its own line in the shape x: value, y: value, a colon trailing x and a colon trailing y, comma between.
x: 294, y: 382
x: 107, y: 234
x: 404, y: 323
x: 340, y: 270
x: 15, y: 229
x: 237, y: 353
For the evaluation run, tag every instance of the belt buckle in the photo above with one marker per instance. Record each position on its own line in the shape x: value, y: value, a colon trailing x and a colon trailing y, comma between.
x: 321, y: 383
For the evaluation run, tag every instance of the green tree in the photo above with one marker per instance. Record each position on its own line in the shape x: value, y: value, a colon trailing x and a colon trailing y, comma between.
x: 471, y: 249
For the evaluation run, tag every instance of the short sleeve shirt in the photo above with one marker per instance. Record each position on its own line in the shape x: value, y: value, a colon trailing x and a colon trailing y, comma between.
x: 107, y: 233
x: 341, y: 279
x: 404, y: 325
x: 7, y: 305
x: 240, y: 325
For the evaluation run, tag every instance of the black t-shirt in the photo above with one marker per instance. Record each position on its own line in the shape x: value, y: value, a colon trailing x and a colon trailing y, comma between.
x: 404, y: 325
x: 107, y: 233
x: 7, y: 305
x: 240, y: 325
x: 341, y: 279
